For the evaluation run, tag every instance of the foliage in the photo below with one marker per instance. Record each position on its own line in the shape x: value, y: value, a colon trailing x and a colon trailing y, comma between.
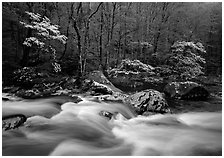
x: 44, y: 33
x: 135, y: 66
x: 132, y: 68
x: 185, y: 60
x: 133, y: 75
x: 26, y: 76
x: 116, y: 31
x: 56, y: 66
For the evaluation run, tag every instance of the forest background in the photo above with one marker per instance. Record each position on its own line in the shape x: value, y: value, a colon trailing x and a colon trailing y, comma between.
x: 84, y: 36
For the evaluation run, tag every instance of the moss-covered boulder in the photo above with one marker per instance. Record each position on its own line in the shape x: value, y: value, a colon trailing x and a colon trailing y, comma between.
x: 96, y: 83
x: 94, y: 88
x: 100, y: 78
x: 149, y: 101
x: 13, y: 121
x: 186, y: 91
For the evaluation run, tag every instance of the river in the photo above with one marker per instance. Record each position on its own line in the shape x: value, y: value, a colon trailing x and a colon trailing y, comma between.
x: 58, y: 126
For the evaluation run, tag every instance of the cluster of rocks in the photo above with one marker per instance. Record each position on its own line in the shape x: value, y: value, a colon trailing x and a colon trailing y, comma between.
x: 152, y: 87
x: 150, y: 99
x: 37, y: 82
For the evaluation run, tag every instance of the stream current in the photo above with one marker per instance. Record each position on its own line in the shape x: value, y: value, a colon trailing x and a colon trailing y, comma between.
x: 57, y: 126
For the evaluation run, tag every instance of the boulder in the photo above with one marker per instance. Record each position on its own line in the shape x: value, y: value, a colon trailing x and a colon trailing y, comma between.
x: 106, y: 114
x: 97, y: 84
x: 134, y: 76
x: 99, y: 77
x: 10, y: 97
x: 149, y: 101
x: 13, y: 121
x: 95, y: 88
x: 116, y: 97
x: 186, y: 91
x: 28, y: 93
x: 10, y: 89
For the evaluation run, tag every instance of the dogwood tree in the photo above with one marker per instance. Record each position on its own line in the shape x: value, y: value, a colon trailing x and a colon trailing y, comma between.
x: 42, y: 34
x: 186, y: 59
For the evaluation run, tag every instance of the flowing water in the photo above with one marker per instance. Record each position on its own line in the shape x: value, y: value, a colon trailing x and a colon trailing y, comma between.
x: 57, y: 127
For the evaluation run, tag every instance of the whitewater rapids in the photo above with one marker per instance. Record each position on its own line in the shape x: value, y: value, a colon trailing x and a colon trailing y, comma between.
x: 78, y: 129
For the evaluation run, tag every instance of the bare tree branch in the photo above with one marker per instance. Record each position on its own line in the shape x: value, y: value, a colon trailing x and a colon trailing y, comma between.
x: 79, y: 7
x: 95, y: 10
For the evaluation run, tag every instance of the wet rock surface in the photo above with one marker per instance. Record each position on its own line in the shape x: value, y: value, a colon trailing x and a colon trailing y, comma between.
x: 149, y: 101
x: 95, y: 88
x: 13, y: 121
x: 186, y: 91
x: 97, y: 84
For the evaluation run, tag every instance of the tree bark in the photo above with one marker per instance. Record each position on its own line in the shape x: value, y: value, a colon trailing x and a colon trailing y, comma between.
x: 26, y: 49
x: 75, y: 25
x: 119, y: 38
x: 67, y: 30
x: 156, y: 39
x: 79, y: 47
x: 101, y: 38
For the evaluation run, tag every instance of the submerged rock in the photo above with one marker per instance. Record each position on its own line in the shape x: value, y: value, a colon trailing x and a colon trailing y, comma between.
x: 186, y: 91
x: 149, y: 101
x: 13, y: 121
x: 106, y: 114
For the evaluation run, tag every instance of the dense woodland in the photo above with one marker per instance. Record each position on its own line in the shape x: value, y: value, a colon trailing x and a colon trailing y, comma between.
x: 86, y: 36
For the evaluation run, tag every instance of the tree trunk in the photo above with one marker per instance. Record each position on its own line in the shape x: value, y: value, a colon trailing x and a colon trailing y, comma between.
x: 26, y: 50
x: 75, y: 25
x: 59, y: 18
x: 101, y: 37
x: 110, y: 35
x: 79, y: 48
x: 119, y: 38
x: 86, y: 39
x: 112, y: 20
x: 156, y: 39
x: 67, y: 30
x: 125, y: 35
